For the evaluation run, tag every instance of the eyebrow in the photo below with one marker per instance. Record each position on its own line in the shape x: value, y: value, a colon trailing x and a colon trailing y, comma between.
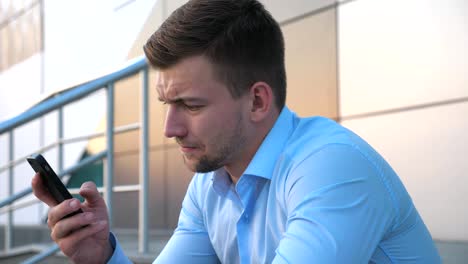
x: 182, y: 99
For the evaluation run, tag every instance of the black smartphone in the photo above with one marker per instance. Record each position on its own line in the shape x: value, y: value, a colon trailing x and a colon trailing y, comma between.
x: 51, y: 181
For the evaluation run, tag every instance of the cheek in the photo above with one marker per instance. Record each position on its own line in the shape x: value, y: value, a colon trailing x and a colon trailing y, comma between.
x: 213, y: 131
x: 205, y: 127
x: 215, y: 125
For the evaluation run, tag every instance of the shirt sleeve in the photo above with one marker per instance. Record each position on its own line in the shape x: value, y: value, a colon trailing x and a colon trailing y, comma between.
x: 118, y: 257
x: 190, y: 242
x: 338, y: 209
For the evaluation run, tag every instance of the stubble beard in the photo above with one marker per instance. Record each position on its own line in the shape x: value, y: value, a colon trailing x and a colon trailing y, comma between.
x: 225, y: 150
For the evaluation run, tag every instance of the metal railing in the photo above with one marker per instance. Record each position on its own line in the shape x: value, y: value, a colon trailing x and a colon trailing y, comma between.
x: 56, y: 103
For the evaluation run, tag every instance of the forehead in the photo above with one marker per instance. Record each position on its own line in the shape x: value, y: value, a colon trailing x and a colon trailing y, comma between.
x: 190, y: 76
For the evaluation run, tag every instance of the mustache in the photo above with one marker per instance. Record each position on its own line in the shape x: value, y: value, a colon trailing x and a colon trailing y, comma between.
x: 184, y: 143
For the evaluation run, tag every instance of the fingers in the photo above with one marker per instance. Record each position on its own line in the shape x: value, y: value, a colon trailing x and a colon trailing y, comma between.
x: 69, y: 242
x: 61, y: 210
x: 90, y: 192
x: 66, y: 227
x: 41, y: 192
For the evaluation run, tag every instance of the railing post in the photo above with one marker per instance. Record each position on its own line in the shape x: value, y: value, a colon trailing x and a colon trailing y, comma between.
x: 144, y: 166
x: 60, y: 140
x: 108, y: 176
x: 9, y: 220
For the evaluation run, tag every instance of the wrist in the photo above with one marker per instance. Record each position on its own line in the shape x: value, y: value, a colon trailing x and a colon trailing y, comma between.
x: 108, y: 251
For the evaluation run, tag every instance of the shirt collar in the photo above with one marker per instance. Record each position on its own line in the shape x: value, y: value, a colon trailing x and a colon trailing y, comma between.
x: 221, y: 181
x: 264, y: 161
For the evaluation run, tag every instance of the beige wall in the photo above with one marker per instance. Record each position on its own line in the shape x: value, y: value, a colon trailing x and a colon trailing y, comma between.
x: 397, y: 56
x: 400, y: 53
x: 310, y: 45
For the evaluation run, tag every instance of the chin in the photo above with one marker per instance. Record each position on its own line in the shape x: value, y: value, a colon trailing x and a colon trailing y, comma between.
x: 190, y: 165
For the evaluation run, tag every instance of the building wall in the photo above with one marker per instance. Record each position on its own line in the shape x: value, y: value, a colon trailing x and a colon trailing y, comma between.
x: 404, y: 88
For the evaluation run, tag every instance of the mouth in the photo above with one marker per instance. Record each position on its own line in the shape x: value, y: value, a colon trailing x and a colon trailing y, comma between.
x: 187, y: 149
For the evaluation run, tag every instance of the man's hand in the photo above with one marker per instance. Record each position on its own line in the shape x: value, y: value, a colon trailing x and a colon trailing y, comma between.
x: 83, y: 237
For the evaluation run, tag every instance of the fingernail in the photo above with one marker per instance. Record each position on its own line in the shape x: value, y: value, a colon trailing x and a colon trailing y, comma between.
x: 87, y: 185
x: 74, y: 204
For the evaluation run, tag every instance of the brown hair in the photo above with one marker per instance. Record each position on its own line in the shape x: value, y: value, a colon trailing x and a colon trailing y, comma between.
x: 239, y: 37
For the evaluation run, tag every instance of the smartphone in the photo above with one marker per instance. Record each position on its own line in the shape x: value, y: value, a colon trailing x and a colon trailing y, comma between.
x: 51, y: 181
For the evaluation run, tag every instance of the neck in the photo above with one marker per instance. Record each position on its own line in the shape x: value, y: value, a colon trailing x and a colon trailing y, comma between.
x: 237, y: 168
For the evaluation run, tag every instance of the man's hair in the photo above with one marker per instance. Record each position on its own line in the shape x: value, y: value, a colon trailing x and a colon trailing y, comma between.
x: 239, y: 37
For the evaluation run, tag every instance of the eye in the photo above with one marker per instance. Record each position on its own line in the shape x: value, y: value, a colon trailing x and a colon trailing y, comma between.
x: 193, y: 107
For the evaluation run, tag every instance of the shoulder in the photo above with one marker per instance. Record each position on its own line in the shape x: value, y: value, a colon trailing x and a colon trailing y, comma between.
x: 314, y: 134
x: 321, y: 153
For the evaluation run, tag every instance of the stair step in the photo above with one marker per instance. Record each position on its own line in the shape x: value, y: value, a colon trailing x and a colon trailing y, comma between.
x: 30, y: 240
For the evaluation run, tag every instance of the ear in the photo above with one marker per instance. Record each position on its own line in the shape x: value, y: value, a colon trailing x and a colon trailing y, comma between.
x: 261, y: 101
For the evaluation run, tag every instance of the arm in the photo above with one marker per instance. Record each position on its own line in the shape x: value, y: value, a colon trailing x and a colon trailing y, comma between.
x: 190, y: 242
x: 338, y: 209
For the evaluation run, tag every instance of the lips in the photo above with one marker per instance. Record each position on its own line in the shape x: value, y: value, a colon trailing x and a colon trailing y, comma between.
x: 187, y: 149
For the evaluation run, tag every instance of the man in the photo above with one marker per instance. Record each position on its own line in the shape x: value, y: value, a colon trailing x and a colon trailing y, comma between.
x: 269, y: 187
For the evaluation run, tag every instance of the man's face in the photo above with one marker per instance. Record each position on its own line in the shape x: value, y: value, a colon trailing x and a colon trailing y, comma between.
x: 208, y: 124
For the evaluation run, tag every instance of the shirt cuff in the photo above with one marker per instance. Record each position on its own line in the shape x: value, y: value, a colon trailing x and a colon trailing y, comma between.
x: 118, y: 256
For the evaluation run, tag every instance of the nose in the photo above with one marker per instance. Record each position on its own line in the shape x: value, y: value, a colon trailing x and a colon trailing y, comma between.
x: 174, y: 125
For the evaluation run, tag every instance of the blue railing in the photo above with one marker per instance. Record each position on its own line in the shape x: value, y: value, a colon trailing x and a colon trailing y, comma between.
x: 56, y: 103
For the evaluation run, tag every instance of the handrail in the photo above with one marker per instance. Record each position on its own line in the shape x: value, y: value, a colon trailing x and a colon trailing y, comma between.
x: 57, y: 102
x: 72, y: 95
x: 43, y: 255
x: 118, y: 130
x: 120, y: 188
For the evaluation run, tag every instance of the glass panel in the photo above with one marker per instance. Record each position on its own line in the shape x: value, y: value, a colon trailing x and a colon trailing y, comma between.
x: 36, y: 25
x: 28, y: 3
x: 16, y: 6
x: 17, y: 44
x: 20, y: 30
x: 28, y: 37
x: 4, y: 48
x: 2, y: 13
x: 5, y: 7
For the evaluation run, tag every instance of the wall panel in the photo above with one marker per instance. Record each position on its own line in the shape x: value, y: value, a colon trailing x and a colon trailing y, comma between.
x: 395, y: 53
x: 295, y: 8
x: 311, y: 65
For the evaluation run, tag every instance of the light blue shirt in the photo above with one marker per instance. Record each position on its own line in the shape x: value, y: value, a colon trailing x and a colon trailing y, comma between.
x: 313, y: 193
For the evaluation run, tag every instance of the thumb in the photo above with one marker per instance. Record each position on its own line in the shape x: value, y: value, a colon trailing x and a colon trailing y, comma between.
x: 90, y: 192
